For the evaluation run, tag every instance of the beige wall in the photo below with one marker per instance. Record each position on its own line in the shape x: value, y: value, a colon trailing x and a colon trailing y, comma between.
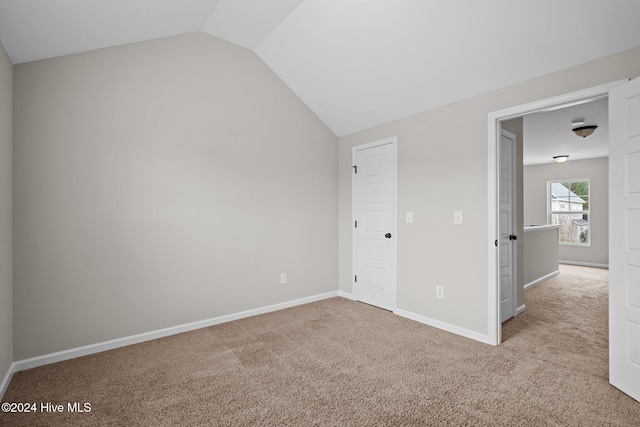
x: 442, y: 167
x: 541, y: 249
x: 6, y: 279
x: 162, y: 183
x: 535, y: 206
x: 171, y: 181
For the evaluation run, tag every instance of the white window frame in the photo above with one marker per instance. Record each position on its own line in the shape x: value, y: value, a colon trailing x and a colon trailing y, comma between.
x: 550, y: 213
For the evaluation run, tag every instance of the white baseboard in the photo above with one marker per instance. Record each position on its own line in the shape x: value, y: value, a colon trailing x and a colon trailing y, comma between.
x: 161, y: 333
x: 347, y: 295
x: 541, y: 279
x: 6, y: 380
x: 520, y: 310
x: 585, y: 264
x: 444, y: 326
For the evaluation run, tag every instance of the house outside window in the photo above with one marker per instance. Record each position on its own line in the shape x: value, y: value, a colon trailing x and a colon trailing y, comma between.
x: 568, y: 207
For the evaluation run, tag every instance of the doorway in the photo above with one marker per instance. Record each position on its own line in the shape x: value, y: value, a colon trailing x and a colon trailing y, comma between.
x: 494, y: 119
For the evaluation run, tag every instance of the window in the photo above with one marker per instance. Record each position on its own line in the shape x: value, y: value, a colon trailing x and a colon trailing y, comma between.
x: 568, y: 206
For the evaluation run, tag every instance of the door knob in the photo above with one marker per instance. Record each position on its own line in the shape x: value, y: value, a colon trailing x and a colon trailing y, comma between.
x: 513, y: 237
x: 388, y: 235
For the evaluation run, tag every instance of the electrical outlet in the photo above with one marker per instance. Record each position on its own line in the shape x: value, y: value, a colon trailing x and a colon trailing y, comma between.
x: 283, y: 278
x: 440, y: 292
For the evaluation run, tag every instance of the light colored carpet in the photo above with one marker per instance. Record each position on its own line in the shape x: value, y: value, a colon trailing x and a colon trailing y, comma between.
x: 339, y: 362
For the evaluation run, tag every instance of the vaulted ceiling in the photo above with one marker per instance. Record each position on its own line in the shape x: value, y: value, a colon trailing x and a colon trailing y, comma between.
x: 355, y: 63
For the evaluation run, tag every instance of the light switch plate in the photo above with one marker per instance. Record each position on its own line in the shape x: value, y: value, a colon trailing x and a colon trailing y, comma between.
x: 457, y: 217
x: 409, y: 217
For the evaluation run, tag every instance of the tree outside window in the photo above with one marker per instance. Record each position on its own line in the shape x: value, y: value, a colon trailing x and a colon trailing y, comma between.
x: 568, y: 207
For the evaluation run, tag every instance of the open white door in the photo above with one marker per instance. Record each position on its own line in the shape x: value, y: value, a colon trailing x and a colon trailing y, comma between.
x: 624, y: 238
x: 507, y: 235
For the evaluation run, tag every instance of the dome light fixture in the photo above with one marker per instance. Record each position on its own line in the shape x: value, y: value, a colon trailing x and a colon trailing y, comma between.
x: 561, y: 159
x: 583, y: 131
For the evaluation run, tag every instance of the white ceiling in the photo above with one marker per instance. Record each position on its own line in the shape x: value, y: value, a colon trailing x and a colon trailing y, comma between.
x: 355, y: 63
x: 550, y: 133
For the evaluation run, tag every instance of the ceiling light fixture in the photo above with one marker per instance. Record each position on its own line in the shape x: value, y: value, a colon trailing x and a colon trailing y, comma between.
x: 561, y: 159
x: 584, y: 131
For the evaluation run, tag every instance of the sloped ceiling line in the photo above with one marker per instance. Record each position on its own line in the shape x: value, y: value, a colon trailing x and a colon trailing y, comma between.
x: 356, y: 63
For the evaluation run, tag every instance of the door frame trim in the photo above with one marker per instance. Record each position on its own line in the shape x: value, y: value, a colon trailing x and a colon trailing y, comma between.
x: 494, y: 326
x: 394, y: 274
